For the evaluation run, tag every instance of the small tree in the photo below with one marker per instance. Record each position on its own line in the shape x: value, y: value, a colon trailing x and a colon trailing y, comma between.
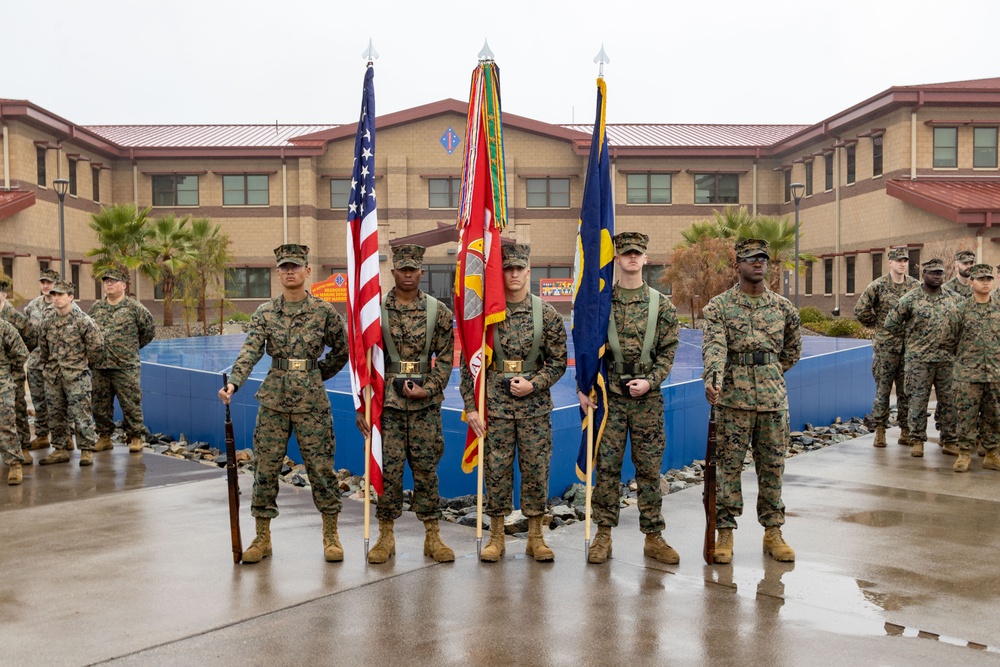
x: 121, y: 232
x: 210, y: 248
x: 700, y: 271
x: 168, y: 252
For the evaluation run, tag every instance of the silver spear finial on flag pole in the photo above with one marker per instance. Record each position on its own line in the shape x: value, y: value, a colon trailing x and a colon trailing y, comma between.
x: 601, y: 58
x: 370, y: 53
x: 485, y: 54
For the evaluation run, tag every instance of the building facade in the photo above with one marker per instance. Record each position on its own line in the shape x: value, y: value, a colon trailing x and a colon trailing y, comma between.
x: 913, y: 165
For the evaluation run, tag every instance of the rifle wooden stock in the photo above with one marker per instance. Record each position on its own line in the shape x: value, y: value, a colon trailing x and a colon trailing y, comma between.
x: 708, y: 551
x: 232, y: 477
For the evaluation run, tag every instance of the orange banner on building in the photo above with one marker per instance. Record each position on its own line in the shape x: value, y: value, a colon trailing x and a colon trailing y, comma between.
x: 333, y: 289
x: 556, y: 289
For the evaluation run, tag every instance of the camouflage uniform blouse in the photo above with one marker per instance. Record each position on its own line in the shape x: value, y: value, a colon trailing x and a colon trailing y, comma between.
x: 127, y: 327
x: 631, y: 308
x: 515, y: 334
x: 924, y: 319
x: 408, y: 326
x: 13, y: 354
x: 24, y: 326
x: 957, y: 289
x: 68, y: 345
x: 974, y: 330
x: 293, y: 333
x: 876, y: 302
x: 735, y: 322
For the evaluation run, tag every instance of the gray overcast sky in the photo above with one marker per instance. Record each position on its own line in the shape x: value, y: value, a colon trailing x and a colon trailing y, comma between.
x: 299, y: 61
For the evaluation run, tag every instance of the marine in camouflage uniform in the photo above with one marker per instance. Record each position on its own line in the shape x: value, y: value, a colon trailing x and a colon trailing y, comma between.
x: 13, y: 354
x: 519, y: 419
x: 127, y: 327
x: 959, y: 285
x: 887, y: 363
x: 35, y: 310
x: 635, y: 404
x: 294, y: 329
x: 29, y: 334
x: 974, y: 331
x: 69, y: 343
x: 411, y: 413
x: 752, y: 338
x: 923, y: 315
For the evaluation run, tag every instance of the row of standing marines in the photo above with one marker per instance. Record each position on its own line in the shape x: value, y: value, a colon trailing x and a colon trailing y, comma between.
x: 752, y: 337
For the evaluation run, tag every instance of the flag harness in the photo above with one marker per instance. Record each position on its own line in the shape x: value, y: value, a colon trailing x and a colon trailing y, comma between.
x: 410, y: 370
x: 631, y: 370
x: 513, y: 368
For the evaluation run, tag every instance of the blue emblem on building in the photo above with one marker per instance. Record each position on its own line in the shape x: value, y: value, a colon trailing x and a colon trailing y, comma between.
x: 450, y: 141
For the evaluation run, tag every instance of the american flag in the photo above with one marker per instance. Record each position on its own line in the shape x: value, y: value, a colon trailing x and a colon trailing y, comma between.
x: 364, y: 293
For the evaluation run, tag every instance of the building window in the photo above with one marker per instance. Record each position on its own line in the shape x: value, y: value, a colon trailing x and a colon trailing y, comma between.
x: 876, y: 265
x: 245, y: 190
x: 547, y: 192
x: 945, y: 147
x: 915, y: 262
x: 40, y: 153
x: 851, y: 163
x: 984, y: 149
x: 175, y: 190
x: 43, y: 265
x: 850, y: 262
x: 716, y: 189
x: 809, y: 179
x: 95, y: 179
x: 443, y: 192
x: 809, y: 278
x: 98, y: 288
x: 439, y: 280
x: 74, y: 272
x: 648, y: 189
x: 653, y: 275
x: 877, y: 155
x: 788, y: 185
x: 340, y: 192
x: 248, y: 283
x: 828, y: 167
x: 8, y: 267
x: 828, y: 275
x: 72, y: 177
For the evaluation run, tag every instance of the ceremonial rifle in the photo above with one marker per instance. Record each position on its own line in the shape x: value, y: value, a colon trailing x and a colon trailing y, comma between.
x: 709, y: 482
x: 232, y: 476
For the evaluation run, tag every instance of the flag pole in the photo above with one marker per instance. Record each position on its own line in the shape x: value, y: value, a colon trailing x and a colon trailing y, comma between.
x: 368, y: 456
x: 590, y: 486
x: 481, y: 380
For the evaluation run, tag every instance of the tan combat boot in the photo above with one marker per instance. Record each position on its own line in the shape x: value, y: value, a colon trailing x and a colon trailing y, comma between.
x: 918, y: 448
x: 14, y: 475
x: 963, y: 461
x: 655, y: 547
x: 536, y: 542
x: 724, y: 547
x: 385, y: 546
x: 992, y: 460
x: 904, y: 437
x: 57, y: 456
x: 981, y: 451
x: 600, y: 548
x: 135, y: 445
x: 260, y: 548
x: 26, y: 455
x: 434, y: 546
x: 40, y: 442
x: 880, y: 436
x: 495, y: 548
x: 333, y: 552
x: 86, y: 458
x: 775, y: 545
x: 951, y: 449
x: 104, y: 443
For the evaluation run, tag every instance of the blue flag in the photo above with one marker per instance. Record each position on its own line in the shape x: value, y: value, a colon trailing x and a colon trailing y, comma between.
x: 592, y: 281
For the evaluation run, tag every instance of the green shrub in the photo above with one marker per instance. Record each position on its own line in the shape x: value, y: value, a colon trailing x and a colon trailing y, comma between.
x: 843, y: 327
x: 812, y: 314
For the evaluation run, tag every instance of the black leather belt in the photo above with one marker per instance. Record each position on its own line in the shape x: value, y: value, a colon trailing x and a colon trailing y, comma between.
x: 753, y: 358
x: 294, y: 364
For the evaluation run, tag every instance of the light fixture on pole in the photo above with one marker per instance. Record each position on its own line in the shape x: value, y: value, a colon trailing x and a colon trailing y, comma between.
x: 61, y: 186
x: 797, y: 190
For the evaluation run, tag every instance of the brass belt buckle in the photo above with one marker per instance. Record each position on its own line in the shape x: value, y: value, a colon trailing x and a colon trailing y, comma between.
x: 511, y: 365
x: 297, y: 364
x: 408, y: 367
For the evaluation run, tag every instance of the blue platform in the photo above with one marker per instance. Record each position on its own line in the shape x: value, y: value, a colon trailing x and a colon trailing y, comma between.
x: 181, y: 378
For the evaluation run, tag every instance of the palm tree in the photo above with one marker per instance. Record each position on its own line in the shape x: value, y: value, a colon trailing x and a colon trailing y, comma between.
x: 121, y: 232
x: 168, y: 252
x: 210, y: 247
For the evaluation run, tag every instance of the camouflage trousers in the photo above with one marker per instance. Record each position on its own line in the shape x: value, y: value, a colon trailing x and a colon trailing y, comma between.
x: 21, y: 411
x: 641, y: 421
x: 123, y: 384
x: 10, y: 448
x: 976, y: 404
x: 920, y: 377
x: 68, y: 403
x: 36, y: 384
x: 766, y: 434
x: 412, y: 437
x: 314, y: 432
x: 531, y: 440
x: 887, y: 369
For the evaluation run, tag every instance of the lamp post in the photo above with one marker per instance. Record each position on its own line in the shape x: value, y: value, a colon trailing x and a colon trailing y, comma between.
x: 797, y: 190
x: 61, y: 185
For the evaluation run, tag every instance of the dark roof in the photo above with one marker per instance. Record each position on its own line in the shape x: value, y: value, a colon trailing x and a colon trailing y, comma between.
x: 965, y: 201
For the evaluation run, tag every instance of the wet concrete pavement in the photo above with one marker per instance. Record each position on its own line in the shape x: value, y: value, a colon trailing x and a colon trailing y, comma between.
x: 130, y: 563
